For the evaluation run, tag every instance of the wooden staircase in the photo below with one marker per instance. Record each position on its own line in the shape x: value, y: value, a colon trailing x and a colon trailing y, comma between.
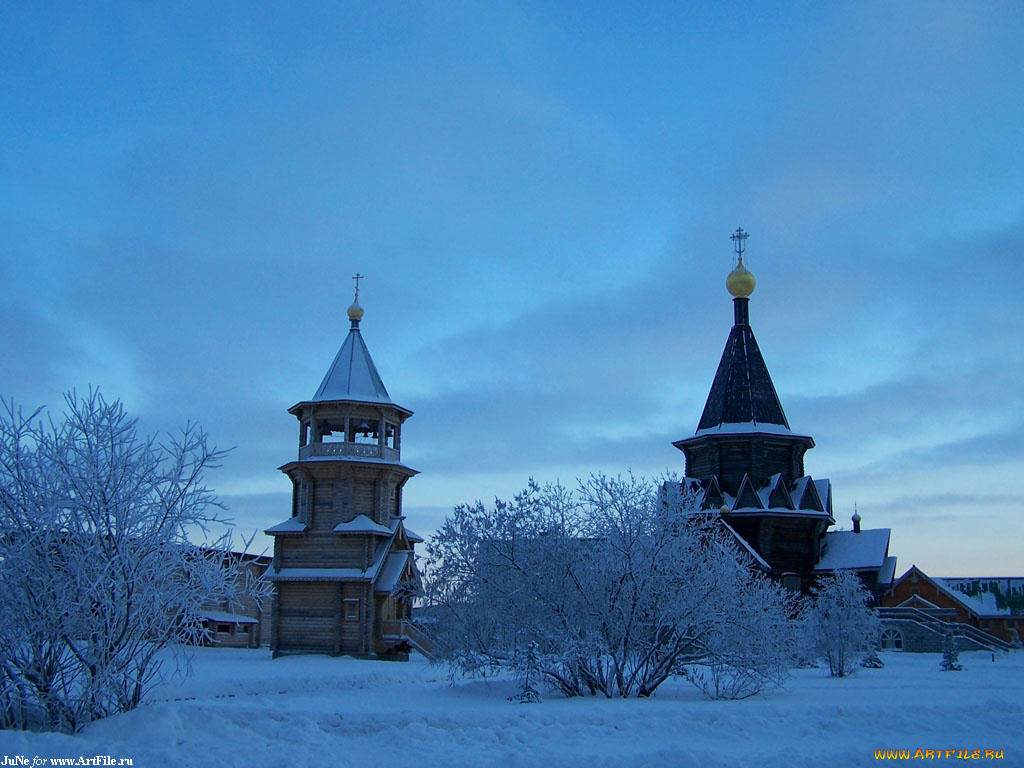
x: 935, y: 624
x: 402, y: 631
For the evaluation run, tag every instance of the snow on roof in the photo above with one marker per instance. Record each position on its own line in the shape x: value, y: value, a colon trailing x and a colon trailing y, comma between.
x: 747, y: 428
x: 363, y: 524
x: 846, y: 549
x: 983, y: 603
x: 229, y: 618
x: 764, y: 493
x: 760, y: 560
x: 291, y: 525
x: 335, y: 574
x: 354, y: 460
x: 352, y: 375
x: 412, y: 536
x: 822, y: 487
x: 885, y: 576
x: 919, y: 599
x: 391, y: 572
x: 379, y: 556
x: 316, y: 574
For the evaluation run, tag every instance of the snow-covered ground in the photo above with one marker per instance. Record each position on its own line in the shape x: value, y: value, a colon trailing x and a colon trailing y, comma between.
x: 241, y: 708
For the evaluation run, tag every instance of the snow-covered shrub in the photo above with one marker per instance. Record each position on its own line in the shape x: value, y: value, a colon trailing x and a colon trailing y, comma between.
x: 840, y: 622
x: 872, y: 660
x: 950, y: 653
x: 619, y: 585
x: 96, y: 572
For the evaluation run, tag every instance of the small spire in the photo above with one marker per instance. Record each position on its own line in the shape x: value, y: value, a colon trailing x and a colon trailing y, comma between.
x: 355, y: 312
x: 856, y: 518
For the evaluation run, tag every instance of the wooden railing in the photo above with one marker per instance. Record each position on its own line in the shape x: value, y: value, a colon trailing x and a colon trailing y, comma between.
x: 405, y: 629
x: 932, y: 621
x: 355, y: 450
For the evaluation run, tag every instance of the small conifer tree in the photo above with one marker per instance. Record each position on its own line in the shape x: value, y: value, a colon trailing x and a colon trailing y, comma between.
x: 872, y: 660
x: 950, y: 655
x: 527, y: 667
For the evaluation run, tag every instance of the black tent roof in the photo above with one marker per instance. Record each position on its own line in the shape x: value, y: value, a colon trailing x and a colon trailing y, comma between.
x: 742, y: 392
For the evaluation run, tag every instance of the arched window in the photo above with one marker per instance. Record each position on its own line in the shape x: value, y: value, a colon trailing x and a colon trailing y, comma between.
x: 892, y: 640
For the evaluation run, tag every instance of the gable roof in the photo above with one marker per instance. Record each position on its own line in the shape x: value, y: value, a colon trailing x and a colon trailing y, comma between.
x: 983, y: 604
x: 856, y: 551
x: 362, y: 524
x: 742, y: 391
x: 352, y: 375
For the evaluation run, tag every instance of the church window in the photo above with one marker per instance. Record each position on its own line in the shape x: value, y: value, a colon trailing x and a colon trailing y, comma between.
x: 892, y: 640
x: 352, y: 610
x: 791, y: 581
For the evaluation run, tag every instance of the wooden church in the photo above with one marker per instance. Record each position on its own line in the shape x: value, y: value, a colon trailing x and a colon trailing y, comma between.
x: 344, y: 565
x: 745, y: 462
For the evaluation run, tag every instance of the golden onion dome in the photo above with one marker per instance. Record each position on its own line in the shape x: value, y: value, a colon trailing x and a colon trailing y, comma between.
x: 740, y: 282
x: 355, y: 312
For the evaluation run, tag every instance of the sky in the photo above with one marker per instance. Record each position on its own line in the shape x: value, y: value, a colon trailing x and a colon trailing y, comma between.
x: 540, y: 196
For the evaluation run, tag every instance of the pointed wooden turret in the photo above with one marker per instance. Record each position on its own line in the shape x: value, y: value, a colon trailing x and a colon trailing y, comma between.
x: 747, y: 459
x: 743, y: 430
x: 341, y: 556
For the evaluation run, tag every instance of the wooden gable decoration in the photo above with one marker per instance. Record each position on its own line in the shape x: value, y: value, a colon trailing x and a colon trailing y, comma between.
x: 810, y: 498
x: 713, y: 497
x: 747, y: 497
x: 779, y: 496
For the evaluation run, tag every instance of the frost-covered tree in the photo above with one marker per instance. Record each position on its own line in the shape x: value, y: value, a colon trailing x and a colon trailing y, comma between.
x: 527, y: 667
x: 950, y: 653
x: 619, y: 585
x: 97, y: 574
x: 840, y: 622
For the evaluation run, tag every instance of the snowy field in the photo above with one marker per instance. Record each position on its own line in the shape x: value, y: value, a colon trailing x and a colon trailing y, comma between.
x: 243, y: 709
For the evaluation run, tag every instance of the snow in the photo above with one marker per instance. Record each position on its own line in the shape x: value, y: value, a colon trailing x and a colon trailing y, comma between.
x: 314, y: 574
x: 241, y: 708
x: 746, y: 428
x: 846, y: 549
x: 362, y: 524
x: 743, y: 543
x: 391, y: 571
x: 888, y: 571
x: 983, y: 604
x: 291, y: 525
x: 231, y: 618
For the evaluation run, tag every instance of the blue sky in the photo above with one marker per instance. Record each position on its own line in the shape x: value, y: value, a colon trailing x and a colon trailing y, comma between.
x: 540, y: 196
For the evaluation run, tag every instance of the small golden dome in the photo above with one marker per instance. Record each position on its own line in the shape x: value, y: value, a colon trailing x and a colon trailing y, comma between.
x: 740, y: 282
x: 355, y: 312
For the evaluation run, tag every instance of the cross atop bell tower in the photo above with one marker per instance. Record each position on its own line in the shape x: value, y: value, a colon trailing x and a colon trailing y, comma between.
x: 739, y: 242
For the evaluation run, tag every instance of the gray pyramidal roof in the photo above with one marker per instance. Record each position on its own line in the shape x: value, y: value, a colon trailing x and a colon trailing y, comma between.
x: 352, y: 375
x: 742, y: 392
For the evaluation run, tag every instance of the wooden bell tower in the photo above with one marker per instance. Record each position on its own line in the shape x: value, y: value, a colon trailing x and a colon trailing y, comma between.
x: 344, y: 565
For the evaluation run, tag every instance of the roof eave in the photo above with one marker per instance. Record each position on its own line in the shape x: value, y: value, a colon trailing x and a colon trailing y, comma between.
x: 297, y: 408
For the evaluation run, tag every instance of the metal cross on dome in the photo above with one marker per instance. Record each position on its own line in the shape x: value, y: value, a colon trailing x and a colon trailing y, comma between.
x: 357, y: 277
x: 738, y: 238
